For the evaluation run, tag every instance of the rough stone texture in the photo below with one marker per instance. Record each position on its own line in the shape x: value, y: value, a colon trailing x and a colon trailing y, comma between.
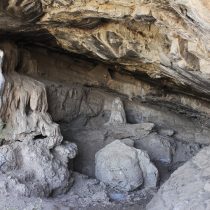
x: 159, y: 148
x: 85, y: 194
x: 117, y: 113
x: 84, y: 96
x: 188, y: 186
x: 153, y: 54
x: 185, y: 151
x: 25, y: 101
x: 124, y: 167
x: 34, y: 160
x: 30, y: 169
x: 94, y: 139
x: 162, y: 38
x: 78, y: 102
x: 2, y: 79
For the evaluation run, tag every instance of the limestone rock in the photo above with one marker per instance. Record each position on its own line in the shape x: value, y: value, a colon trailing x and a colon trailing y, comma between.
x: 154, y: 52
x: 124, y: 167
x: 1, y: 58
x: 185, y: 151
x: 166, y: 132
x: 29, y: 168
x: 25, y: 101
x: 135, y: 131
x: 86, y: 137
x: 117, y: 113
x: 159, y: 148
x: 188, y: 186
x: 162, y: 38
x: 33, y: 157
x: 128, y: 142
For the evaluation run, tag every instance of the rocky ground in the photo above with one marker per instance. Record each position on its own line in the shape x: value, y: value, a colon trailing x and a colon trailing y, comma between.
x: 85, y: 194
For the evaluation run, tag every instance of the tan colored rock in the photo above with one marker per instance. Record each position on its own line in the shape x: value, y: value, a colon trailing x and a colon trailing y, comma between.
x: 33, y: 158
x: 151, y: 51
x: 141, y: 36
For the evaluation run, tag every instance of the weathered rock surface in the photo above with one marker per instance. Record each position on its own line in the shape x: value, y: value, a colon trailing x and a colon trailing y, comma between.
x: 94, y: 139
x: 85, y: 194
x: 84, y: 96
x: 187, y: 188
x: 2, y: 79
x: 34, y: 160
x: 162, y: 38
x: 124, y: 167
x: 159, y: 148
x: 30, y: 169
x: 153, y: 54
x: 117, y: 116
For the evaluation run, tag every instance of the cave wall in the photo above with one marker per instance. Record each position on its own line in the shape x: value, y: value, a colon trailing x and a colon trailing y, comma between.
x: 34, y: 158
x: 63, y: 65
x: 80, y: 93
x: 84, y: 88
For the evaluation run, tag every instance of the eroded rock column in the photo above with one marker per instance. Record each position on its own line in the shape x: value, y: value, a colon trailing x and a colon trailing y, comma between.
x: 33, y: 156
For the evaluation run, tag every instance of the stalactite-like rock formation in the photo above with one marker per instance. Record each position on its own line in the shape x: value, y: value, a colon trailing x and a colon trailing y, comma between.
x: 34, y: 158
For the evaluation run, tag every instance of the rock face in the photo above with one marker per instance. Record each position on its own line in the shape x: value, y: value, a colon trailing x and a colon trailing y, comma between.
x: 159, y: 147
x: 65, y: 68
x: 166, y: 39
x: 125, y: 167
x: 187, y: 188
x: 30, y: 169
x: 34, y: 160
x: 117, y: 113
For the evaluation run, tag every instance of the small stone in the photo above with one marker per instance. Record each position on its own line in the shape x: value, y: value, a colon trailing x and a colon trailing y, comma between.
x: 166, y: 132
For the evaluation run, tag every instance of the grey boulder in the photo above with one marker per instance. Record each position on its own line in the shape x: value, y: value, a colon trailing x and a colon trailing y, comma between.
x: 124, y: 167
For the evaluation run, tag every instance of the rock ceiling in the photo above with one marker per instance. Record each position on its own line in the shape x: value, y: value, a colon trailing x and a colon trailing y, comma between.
x: 165, y: 39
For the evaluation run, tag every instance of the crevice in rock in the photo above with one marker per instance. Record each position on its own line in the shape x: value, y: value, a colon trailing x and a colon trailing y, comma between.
x: 39, y: 137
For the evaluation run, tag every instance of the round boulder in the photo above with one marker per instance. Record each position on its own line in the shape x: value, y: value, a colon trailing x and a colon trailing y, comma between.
x: 124, y: 167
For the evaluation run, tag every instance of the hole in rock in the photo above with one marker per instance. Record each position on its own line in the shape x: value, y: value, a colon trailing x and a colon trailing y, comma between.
x: 40, y: 136
x: 28, y: 109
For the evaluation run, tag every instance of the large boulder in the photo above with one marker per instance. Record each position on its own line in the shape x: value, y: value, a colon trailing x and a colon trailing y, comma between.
x: 124, y: 167
x: 188, y: 187
x: 30, y: 168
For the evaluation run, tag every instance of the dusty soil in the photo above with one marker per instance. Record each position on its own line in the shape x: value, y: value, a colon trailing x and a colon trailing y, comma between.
x: 86, y: 194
